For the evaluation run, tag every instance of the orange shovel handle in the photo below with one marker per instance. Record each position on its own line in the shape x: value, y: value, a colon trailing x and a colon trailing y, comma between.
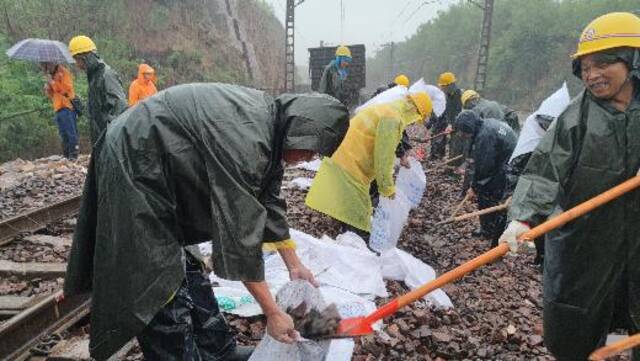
x: 503, y: 248
x: 615, y: 348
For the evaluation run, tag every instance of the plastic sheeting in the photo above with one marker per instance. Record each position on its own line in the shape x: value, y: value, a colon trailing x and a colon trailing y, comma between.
x: 532, y: 132
x: 313, y: 165
x: 401, y: 266
x: 350, y: 276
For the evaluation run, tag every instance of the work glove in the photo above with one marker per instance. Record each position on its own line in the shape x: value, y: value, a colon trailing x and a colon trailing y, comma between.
x: 511, y: 234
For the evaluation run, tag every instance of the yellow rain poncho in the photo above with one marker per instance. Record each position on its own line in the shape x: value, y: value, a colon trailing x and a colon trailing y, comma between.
x: 367, y: 153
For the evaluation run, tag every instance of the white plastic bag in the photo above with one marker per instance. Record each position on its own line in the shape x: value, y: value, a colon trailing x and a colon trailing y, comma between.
x: 292, y: 295
x: 389, y: 219
x: 412, y: 182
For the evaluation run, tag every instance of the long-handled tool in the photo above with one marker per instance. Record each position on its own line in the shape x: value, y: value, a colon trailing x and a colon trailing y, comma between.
x: 478, y: 213
x: 428, y: 139
x: 450, y: 160
x: 359, y: 326
x: 615, y: 348
x: 459, y: 206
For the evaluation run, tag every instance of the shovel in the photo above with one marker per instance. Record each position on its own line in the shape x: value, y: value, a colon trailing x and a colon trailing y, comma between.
x: 615, y: 348
x: 360, y: 326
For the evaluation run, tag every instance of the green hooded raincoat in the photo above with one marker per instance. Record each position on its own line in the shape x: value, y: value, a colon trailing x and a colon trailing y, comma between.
x: 193, y: 163
x: 591, y: 272
x: 106, y: 98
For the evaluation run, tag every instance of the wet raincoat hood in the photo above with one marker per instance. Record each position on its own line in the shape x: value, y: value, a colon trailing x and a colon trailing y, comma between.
x: 105, y: 97
x: 140, y: 87
x: 468, y: 122
x: 145, y: 68
x: 314, y: 122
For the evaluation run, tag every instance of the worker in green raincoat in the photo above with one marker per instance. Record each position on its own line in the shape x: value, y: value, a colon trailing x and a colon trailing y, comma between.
x: 448, y: 83
x: 485, y: 108
x: 106, y: 98
x: 335, y: 76
x: 489, y: 109
x: 592, y: 265
x: 340, y: 189
x: 193, y: 163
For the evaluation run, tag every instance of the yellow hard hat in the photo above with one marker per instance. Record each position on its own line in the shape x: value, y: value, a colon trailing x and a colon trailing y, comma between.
x: 446, y: 79
x: 469, y: 95
x: 402, y: 80
x: 343, y: 51
x: 81, y: 44
x: 609, y: 31
x: 422, y: 100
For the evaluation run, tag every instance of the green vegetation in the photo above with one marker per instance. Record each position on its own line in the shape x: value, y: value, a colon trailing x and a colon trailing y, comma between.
x: 530, y: 47
x: 178, y: 38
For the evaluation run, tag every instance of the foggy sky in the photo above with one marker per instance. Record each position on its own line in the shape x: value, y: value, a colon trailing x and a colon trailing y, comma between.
x: 369, y: 22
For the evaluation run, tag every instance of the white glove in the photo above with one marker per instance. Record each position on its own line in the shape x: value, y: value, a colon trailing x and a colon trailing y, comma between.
x: 638, y: 172
x: 511, y: 234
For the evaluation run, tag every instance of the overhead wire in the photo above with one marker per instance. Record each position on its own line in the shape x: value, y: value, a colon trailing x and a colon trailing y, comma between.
x: 428, y: 2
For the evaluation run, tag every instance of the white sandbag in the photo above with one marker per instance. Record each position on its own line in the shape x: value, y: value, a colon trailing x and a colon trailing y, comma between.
x: 412, y: 182
x: 290, y: 296
x: 438, y: 98
x: 388, y: 222
x: 387, y: 96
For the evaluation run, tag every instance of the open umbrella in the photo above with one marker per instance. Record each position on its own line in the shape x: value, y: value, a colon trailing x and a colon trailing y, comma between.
x: 41, y: 51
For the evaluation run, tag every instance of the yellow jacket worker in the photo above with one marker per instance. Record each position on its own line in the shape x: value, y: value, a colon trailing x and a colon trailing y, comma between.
x: 341, y: 187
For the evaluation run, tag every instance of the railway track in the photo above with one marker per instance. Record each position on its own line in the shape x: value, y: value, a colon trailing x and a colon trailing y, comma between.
x: 23, y: 332
x: 20, y: 334
x: 38, y: 219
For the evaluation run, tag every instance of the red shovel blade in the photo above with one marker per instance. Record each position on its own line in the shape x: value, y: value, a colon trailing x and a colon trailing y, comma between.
x: 353, y: 327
